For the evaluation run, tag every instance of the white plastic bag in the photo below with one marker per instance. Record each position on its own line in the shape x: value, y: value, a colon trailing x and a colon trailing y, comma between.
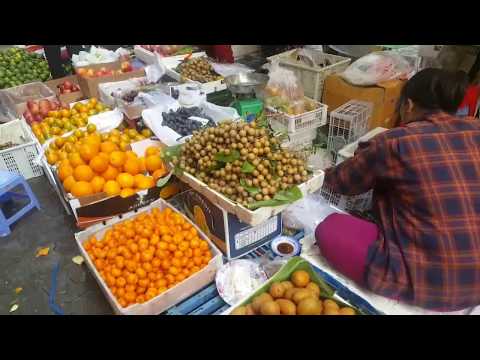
x: 231, y: 69
x: 307, y: 213
x: 94, y: 56
x: 109, y: 90
x: 106, y: 121
x: 377, y: 67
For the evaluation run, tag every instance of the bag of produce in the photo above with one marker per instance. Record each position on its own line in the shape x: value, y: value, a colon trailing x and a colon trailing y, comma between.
x: 377, y: 67
x: 284, y: 92
x: 94, y: 56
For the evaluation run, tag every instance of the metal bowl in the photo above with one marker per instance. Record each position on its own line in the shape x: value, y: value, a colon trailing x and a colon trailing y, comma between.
x: 246, y: 83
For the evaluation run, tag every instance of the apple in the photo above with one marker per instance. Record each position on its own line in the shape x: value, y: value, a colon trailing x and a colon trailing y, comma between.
x: 98, y: 73
x: 82, y: 71
x: 90, y: 73
x: 33, y: 107
x: 67, y: 85
x: 38, y: 118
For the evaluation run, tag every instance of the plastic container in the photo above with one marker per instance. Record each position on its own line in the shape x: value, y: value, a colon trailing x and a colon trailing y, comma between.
x: 347, y: 123
x: 312, y: 78
x: 294, y: 264
x: 20, y: 159
x: 170, y: 297
x: 294, y: 123
x: 300, y: 140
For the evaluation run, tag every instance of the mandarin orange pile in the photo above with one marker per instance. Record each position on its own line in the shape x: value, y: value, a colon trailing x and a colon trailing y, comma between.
x: 101, y: 166
x: 142, y: 257
x: 59, y: 122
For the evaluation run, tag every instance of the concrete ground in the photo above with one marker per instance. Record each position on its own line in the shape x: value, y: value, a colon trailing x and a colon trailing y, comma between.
x: 77, y: 291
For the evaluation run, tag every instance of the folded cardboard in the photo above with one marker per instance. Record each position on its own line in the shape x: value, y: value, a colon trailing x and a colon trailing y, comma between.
x: 384, y: 97
x: 234, y: 237
x: 66, y: 98
x: 89, y: 86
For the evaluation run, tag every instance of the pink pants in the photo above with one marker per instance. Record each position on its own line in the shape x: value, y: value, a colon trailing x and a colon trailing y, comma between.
x: 344, y: 241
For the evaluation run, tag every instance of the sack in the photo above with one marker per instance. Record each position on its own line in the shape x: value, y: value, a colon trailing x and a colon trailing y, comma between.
x: 378, y: 67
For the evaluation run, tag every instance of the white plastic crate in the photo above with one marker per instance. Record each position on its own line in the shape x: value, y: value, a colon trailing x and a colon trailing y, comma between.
x: 347, y: 123
x: 360, y: 202
x: 300, y: 140
x: 293, y: 123
x: 20, y: 159
x: 312, y: 78
x: 349, y: 150
x: 167, y: 299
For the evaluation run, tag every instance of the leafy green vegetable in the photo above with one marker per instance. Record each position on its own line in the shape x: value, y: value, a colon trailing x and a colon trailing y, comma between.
x: 247, y: 167
x: 234, y: 155
x: 281, y: 198
x: 252, y: 190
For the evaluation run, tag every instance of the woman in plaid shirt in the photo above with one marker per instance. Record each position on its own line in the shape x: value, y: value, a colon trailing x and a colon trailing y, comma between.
x: 425, y: 248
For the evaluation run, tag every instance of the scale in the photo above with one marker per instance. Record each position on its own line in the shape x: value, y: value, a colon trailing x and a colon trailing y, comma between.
x: 245, y: 88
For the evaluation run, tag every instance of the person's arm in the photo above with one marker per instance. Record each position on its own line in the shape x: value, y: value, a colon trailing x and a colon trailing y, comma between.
x: 357, y: 174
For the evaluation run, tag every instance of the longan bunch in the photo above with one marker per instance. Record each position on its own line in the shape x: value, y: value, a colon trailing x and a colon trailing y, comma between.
x: 262, y: 164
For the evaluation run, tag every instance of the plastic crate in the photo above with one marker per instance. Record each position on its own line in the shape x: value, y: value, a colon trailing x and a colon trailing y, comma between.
x: 294, y: 123
x: 347, y: 123
x: 349, y: 150
x: 20, y: 159
x: 312, y: 78
x: 300, y: 140
x: 359, y: 203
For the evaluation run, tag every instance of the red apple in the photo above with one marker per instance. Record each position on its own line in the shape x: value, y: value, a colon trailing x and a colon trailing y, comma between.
x: 33, y: 107
x: 67, y: 85
x: 37, y: 118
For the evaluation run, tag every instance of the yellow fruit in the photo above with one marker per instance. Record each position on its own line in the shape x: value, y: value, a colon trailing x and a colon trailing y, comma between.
x: 138, y: 179
x: 83, y: 173
x: 115, y: 139
x: 75, y: 159
x: 132, y: 133
x: 127, y: 192
x: 131, y: 166
x: 97, y: 183
x: 147, y: 133
x: 300, y: 278
x: 117, y: 158
x: 125, y: 180
x: 157, y: 174
x: 142, y: 165
x: 124, y: 146
x: 79, y: 134
x: 81, y: 188
x: 146, y: 183
x: 52, y: 158
x: 153, y: 162
x: 99, y: 164
x: 108, y: 147
x: 88, y: 152
x: 112, y: 188
x: 152, y: 150
x: 65, y: 171
x: 68, y: 183
x: 60, y: 141
x: 110, y: 174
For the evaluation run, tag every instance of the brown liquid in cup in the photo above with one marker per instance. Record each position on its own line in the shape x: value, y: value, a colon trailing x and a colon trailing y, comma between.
x: 285, y: 248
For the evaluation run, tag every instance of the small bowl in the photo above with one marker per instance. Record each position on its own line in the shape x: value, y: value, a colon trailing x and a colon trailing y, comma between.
x: 285, y: 246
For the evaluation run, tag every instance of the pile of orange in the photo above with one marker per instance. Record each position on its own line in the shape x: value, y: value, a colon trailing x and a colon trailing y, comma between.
x: 62, y: 121
x: 102, y: 167
x: 143, y: 257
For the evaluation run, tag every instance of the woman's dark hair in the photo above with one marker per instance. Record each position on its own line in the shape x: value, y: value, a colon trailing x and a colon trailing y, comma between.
x: 435, y: 89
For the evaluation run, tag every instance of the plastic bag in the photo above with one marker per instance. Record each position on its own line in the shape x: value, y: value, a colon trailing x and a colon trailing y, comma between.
x: 307, y: 213
x: 231, y: 69
x: 377, y: 67
x: 96, y: 55
x: 283, y: 83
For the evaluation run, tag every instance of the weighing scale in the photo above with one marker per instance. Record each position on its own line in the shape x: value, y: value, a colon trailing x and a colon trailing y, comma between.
x: 245, y: 88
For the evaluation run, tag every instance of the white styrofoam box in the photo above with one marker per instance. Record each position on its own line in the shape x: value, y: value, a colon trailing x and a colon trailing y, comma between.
x: 20, y: 159
x: 281, y: 121
x: 207, y: 88
x: 149, y: 57
x: 170, y: 297
x: 349, y: 150
x: 300, y: 139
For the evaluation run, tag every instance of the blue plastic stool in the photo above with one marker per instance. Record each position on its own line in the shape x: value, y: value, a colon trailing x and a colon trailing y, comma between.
x: 8, y: 181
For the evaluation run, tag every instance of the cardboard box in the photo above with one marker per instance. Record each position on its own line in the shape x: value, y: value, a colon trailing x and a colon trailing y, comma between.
x: 114, y: 65
x: 66, y: 98
x: 89, y: 86
x: 233, y: 237
x: 384, y: 97
x: 167, y: 299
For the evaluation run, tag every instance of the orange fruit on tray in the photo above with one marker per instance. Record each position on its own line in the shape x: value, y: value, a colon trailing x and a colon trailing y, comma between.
x: 127, y: 192
x: 99, y: 164
x: 68, y: 183
x: 125, y: 180
x: 117, y: 158
x: 110, y: 174
x: 142, y: 164
x: 157, y: 174
x: 108, y: 147
x: 131, y: 165
x: 112, y: 188
x: 75, y: 159
x: 83, y: 173
x: 97, y: 184
x: 64, y: 171
x: 152, y: 150
x: 153, y: 162
x: 88, y: 152
x: 81, y: 188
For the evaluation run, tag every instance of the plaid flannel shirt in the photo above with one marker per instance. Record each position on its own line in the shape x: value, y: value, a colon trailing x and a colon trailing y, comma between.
x: 426, y: 181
